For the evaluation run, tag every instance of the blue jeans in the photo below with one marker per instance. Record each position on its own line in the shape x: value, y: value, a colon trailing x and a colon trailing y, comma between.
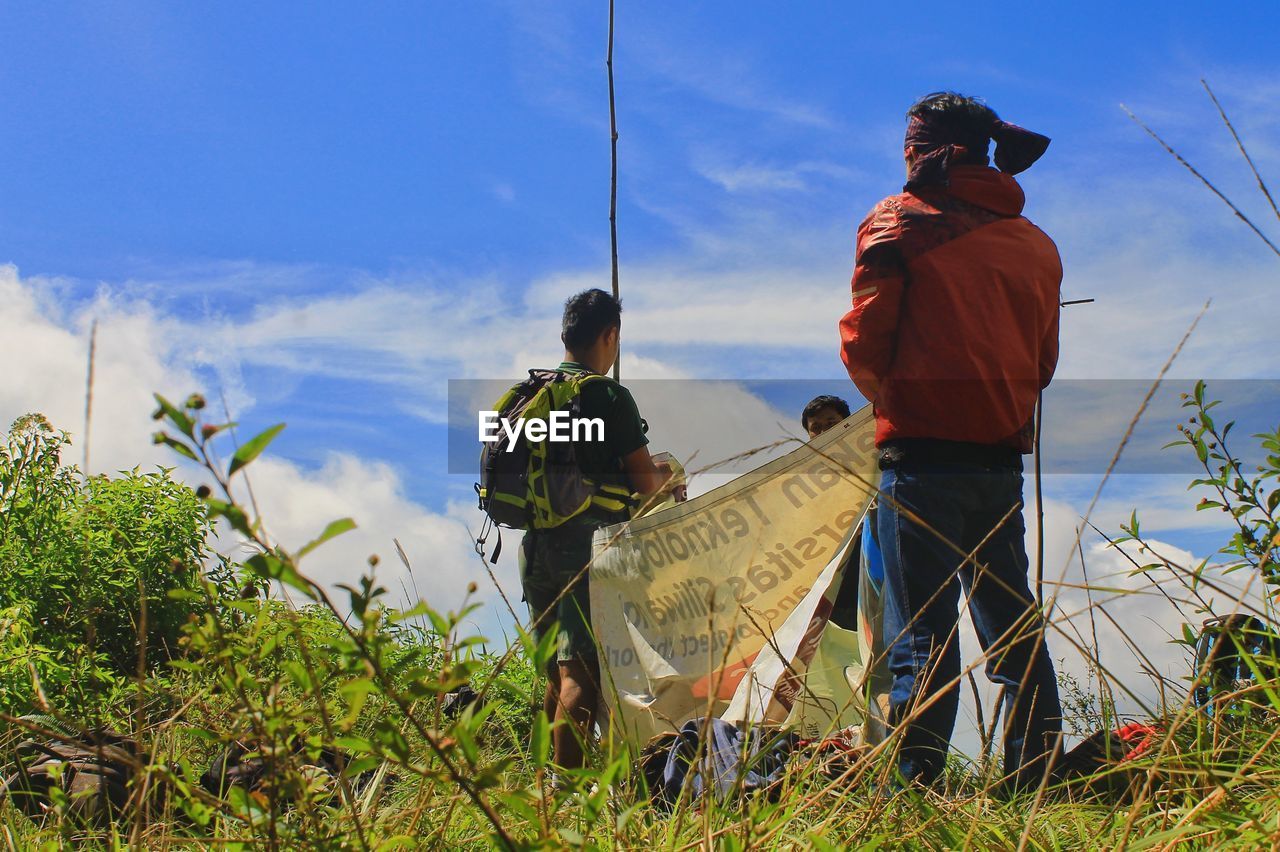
x: 923, y: 578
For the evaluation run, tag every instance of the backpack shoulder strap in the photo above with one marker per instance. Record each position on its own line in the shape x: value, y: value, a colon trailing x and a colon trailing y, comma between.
x: 583, y: 378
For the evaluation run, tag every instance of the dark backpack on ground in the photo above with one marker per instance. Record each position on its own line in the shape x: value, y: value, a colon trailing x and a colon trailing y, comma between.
x: 1231, y: 652
x: 240, y: 766
x: 454, y: 703
x: 728, y: 760
x: 653, y: 760
x: 94, y: 770
x: 1103, y: 762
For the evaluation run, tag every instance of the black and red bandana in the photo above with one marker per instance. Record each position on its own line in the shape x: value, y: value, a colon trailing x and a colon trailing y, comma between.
x: 940, y: 142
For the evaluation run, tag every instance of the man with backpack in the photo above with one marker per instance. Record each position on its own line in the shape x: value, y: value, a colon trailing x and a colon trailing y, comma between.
x: 554, y: 559
x: 952, y: 334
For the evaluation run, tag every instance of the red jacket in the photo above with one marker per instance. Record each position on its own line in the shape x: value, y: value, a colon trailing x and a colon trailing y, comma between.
x: 954, y: 326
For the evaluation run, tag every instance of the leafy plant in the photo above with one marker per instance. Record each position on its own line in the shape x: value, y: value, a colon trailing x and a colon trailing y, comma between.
x: 86, y: 571
x: 1248, y: 498
x: 331, y: 677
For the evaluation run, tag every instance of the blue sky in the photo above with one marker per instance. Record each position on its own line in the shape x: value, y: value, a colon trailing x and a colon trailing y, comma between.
x: 468, y: 136
x: 327, y: 211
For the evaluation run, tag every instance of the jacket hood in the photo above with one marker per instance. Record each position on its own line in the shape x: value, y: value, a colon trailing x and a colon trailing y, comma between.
x: 987, y: 188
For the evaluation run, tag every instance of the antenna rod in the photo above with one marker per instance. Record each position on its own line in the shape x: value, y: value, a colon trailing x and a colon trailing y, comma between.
x: 88, y: 392
x: 1039, y: 423
x: 613, y: 178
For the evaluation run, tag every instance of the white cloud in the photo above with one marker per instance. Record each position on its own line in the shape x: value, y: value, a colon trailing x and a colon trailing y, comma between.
x: 771, y: 285
x: 705, y: 424
x: 298, y: 503
x: 46, y: 349
x: 754, y: 178
x: 138, y: 351
x: 1136, y: 615
x: 741, y: 305
x: 1141, y: 614
x: 726, y: 78
x: 766, y: 177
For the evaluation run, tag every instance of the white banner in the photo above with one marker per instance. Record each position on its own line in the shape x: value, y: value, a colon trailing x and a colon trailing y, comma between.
x: 684, y: 601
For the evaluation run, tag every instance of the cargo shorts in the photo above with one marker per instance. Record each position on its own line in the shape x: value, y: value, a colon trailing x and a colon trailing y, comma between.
x: 550, y: 560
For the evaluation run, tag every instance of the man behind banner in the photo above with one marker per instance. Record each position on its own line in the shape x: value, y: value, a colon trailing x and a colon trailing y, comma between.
x: 953, y: 332
x: 553, y: 561
x: 860, y: 596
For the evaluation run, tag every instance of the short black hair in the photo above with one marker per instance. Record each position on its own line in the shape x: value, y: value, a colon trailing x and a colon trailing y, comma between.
x: 970, y: 117
x: 586, y: 316
x: 820, y: 402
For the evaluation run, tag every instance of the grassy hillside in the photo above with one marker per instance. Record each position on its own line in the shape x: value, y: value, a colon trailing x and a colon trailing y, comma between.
x: 116, y: 616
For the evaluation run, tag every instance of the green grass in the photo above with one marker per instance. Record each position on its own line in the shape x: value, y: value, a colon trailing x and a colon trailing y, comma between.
x: 1193, y: 796
x: 350, y: 674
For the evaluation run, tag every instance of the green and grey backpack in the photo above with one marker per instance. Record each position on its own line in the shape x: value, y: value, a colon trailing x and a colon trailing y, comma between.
x: 540, y: 484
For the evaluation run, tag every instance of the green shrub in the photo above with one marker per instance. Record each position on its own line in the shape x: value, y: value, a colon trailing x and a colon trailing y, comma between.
x: 84, y: 563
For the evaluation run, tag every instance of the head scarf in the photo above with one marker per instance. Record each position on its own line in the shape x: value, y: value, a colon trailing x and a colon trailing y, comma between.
x: 941, y: 141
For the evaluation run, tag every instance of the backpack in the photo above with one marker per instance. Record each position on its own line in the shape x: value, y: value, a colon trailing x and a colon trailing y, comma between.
x: 1103, y: 763
x: 1231, y: 653
x: 285, y: 773
x: 94, y: 770
x: 527, y: 484
x: 454, y: 703
x: 717, y: 757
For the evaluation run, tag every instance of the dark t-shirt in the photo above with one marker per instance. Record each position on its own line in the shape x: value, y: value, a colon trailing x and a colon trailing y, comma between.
x: 623, y: 428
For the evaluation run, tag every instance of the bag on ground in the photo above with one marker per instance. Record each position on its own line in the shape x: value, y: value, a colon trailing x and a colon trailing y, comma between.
x: 93, y: 770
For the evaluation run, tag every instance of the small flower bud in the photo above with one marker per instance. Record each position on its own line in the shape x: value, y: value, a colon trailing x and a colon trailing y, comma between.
x: 208, y: 430
x: 472, y: 587
x: 195, y: 402
x: 373, y: 560
x: 203, y: 492
x: 158, y: 438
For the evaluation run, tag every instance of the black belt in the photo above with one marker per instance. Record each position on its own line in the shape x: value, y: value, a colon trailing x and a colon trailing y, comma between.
x: 937, y: 451
x: 567, y: 530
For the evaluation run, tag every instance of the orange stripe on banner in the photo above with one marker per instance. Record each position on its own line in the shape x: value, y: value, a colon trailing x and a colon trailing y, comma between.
x: 727, y: 679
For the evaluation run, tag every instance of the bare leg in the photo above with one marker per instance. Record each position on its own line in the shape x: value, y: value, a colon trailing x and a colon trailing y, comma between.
x: 576, y: 708
x: 551, y: 699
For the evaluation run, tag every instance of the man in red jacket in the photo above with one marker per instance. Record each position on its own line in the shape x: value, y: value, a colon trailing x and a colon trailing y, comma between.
x: 953, y: 332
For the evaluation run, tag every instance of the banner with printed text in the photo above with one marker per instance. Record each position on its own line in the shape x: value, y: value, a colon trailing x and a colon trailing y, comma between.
x: 685, y: 600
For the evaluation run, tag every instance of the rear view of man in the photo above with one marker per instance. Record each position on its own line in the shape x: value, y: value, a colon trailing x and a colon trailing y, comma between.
x: 953, y: 332
x: 553, y: 561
